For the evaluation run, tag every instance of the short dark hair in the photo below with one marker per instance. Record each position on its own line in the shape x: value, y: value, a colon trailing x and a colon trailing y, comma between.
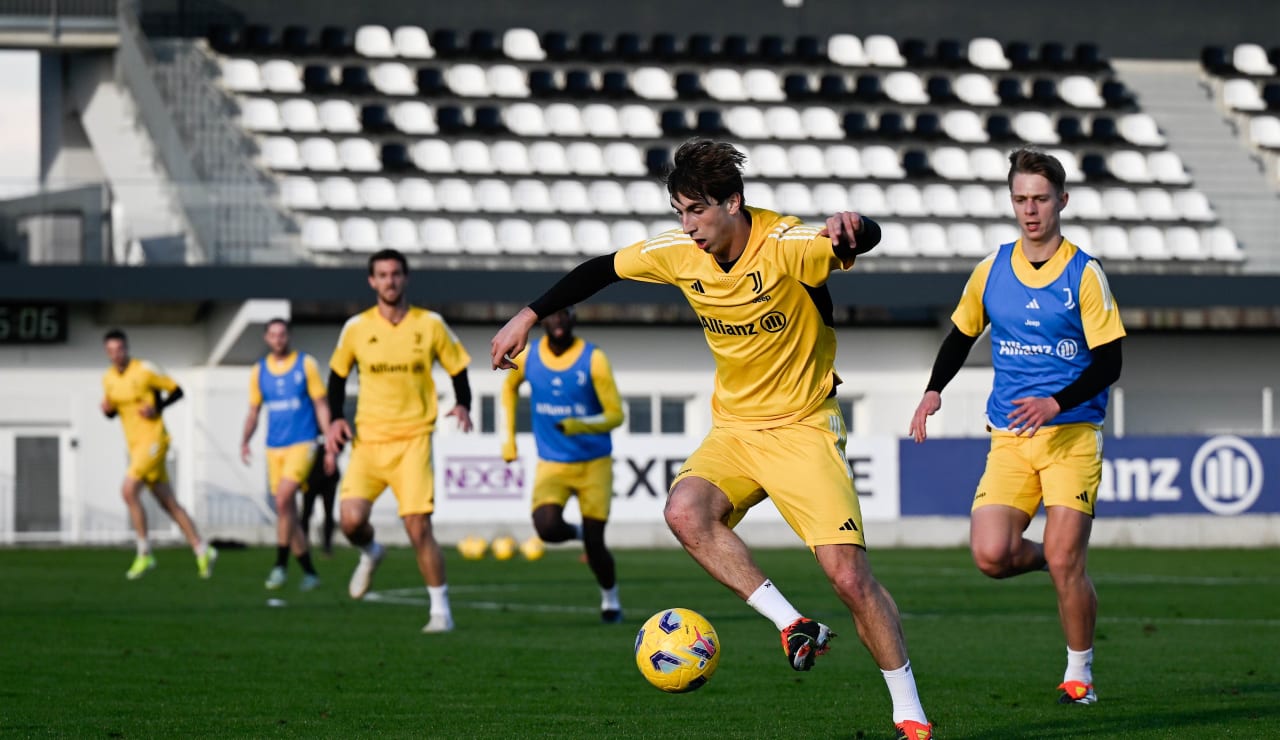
x: 277, y: 320
x: 389, y: 254
x: 1034, y: 162
x: 114, y: 334
x: 706, y: 170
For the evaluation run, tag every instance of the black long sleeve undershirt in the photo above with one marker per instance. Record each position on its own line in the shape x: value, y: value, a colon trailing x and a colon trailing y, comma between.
x: 462, y: 389
x: 581, y: 283
x: 337, y: 395
x: 1102, y: 371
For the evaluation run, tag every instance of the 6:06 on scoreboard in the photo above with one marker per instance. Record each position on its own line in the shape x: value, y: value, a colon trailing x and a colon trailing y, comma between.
x: 33, y: 323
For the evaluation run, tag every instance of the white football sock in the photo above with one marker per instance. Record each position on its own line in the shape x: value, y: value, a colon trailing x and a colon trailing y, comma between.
x: 609, y: 598
x: 770, y: 602
x: 372, y: 549
x: 144, y: 547
x: 201, y: 548
x: 906, y: 701
x: 1079, y: 666
x: 439, y: 599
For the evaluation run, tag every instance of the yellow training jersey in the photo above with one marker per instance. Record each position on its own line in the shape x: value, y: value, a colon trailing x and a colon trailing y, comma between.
x: 131, y: 390
x: 774, y: 348
x: 397, y: 395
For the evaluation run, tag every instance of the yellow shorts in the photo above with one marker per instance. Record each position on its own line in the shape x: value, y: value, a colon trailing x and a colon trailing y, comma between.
x: 146, y: 462
x: 591, y: 480
x: 1061, y: 464
x: 404, y: 465
x: 290, y: 463
x: 801, y: 467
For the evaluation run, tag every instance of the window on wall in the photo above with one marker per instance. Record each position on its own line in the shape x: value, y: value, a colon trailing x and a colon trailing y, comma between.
x: 671, y: 412
x: 524, y: 415
x: 847, y: 407
x: 639, y: 414
x: 488, y: 414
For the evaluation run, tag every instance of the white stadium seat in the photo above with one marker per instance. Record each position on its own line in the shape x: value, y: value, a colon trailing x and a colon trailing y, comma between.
x: 455, y: 195
x: 1000, y: 234
x: 1129, y: 166
x: 1221, y: 244
x: 467, y: 80
x: 1148, y: 243
x: 967, y: 240
x: 964, y: 126
x: 320, y: 155
x: 821, y: 123
x: 905, y: 87
x: 844, y: 161
x: 260, y: 114
x: 1241, y: 95
x: 783, y: 123
x: 414, y: 117
x: 846, y: 50
x: 882, y: 51
x: 989, y: 164
x: 282, y: 76
x: 1111, y: 242
x: 746, y: 122
x: 322, y: 233
x: 477, y: 236
x: 1080, y: 92
x: 570, y: 196
x: 1070, y: 165
x: 359, y: 155
x: 975, y: 89
x: 951, y: 163
x: 601, y: 120
x: 724, y: 83
x: 340, y: 194
x: 438, y: 236
x: 1166, y: 167
x: 627, y: 232
x: 379, y: 194
x: 978, y: 202
x: 241, y: 75
x: 759, y: 195
x: 1184, y: 243
x: 942, y: 200
x: 1081, y: 236
x: 881, y: 162
x: 829, y: 198
x: 532, y: 196
x: 339, y: 117
x: 1192, y: 205
x: 416, y: 194
x: 280, y: 153
x: 548, y: 158
x: 988, y: 53
x: 607, y: 196
x: 639, y: 122
x: 1085, y: 203
x: 412, y: 42
x: 522, y: 44
x: 507, y: 81
x: 300, y: 193
x: 374, y: 41
x: 895, y: 241
x: 1157, y: 204
x: 593, y: 237
x: 493, y: 196
x: 648, y: 197
x: 763, y: 85
x: 472, y: 157
x: 515, y: 236
x: 360, y: 233
x: 300, y: 115
x: 1121, y: 204
x: 905, y: 200
x: 553, y: 236
x: 868, y: 198
x: 931, y: 240
x: 393, y: 78
x: 1251, y: 59
x: 433, y: 155
x: 525, y: 119
x: 564, y: 119
x: 510, y: 157
x: 624, y: 159
x: 807, y: 161
x: 586, y: 158
x: 653, y: 83
x: 795, y: 199
x: 1035, y: 127
x: 1264, y: 131
x: 771, y: 161
x: 1140, y: 129
x: 400, y: 233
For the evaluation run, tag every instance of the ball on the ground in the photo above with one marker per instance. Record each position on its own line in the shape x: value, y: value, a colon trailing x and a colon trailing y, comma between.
x: 533, y: 548
x: 472, y: 547
x: 504, y: 547
x: 677, y: 650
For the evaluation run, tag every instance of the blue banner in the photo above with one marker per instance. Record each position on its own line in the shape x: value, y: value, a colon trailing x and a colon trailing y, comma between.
x: 1142, y: 476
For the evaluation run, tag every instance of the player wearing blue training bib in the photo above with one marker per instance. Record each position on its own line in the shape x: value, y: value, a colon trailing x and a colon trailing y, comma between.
x: 1055, y: 349
x: 574, y: 404
x: 288, y: 384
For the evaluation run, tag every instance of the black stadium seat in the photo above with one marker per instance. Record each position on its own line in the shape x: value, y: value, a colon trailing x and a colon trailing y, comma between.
x: 1094, y: 167
x: 395, y: 157
x: 657, y: 160
x: 869, y: 89
x: 1215, y: 61
x: 809, y: 49
x: 833, y: 86
x: 689, y: 85
x: 999, y: 128
x: 294, y: 40
x: 916, y: 52
x: 484, y: 44
x: 796, y: 86
x: 892, y: 125
x: 1044, y: 93
x: 447, y: 44
x: 376, y: 119
x: 951, y: 54
x: 772, y: 48
x: 256, y: 39
x: 709, y: 122
x: 674, y: 122
x: 1088, y: 58
x: 628, y: 46
x: 855, y: 125
x: 1070, y: 129
x: 1271, y: 94
x: 736, y: 48
x: 1117, y: 95
x: 556, y: 45
x: 939, y: 89
x: 592, y: 46
x: 335, y: 40
x: 431, y: 82
x: 1019, y: 54
x: 451, y: 120
x: 928, y: 127
x: 702, y: 47
x: 488, y: 120
x: 614, y: 84
x: 223, y: 38
x: 1053, y: 56
x: 542, y: 83
x: 355, y: 79
x: 666, y: 47
x: 1103, y: 130
x: 578, y: 84
x: 317, y: 78
x: 1010, y: 91
x: 915, y: 163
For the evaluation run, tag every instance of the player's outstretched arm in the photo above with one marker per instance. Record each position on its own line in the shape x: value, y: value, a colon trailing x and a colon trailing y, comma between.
x: 951, y: 356
x: 250, y: 426
x: 511, y: 339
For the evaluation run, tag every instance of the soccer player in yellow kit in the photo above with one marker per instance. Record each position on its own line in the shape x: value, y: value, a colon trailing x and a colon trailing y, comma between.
x: 574, y: 404
x: 1055, y: 348
x: 137, y: 392
x: 394, y: 345
x: 288, y: 383
x: 757, y: 281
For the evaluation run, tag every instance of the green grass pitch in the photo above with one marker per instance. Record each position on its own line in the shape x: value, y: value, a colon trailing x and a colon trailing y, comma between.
x: 1188, y: 647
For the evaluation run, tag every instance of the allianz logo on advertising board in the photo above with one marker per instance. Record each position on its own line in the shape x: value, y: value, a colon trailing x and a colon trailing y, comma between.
x: 1225, y: 475
x: 482, y: 477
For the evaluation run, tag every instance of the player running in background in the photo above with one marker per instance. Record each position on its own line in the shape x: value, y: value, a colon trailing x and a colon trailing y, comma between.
x: 394, y: 345
x: 1055, y: 348
x: 288, y: 383
x: 757, y: 281
x: 574, y: 404
x: 138, y: 393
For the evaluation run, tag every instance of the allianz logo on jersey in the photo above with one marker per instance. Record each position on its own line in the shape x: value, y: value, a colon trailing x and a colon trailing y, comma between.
x: 772, y: 322
x: 1226, y: 477
x: 417, y: 367
x: 559, y: 409
x: 1066, y: 348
